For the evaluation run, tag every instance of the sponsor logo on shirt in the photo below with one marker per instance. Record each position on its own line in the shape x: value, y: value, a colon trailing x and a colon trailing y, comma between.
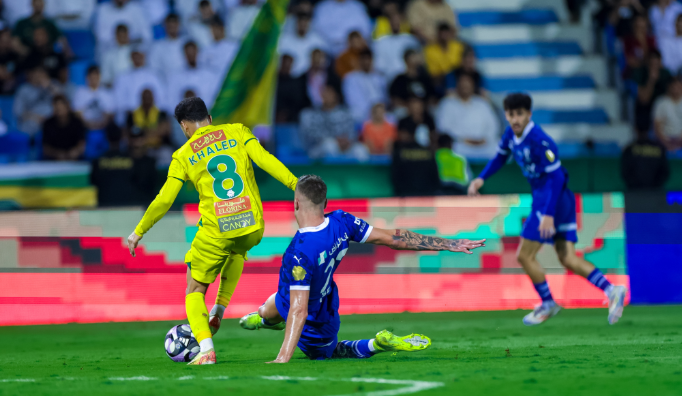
x: 231, y: 223
x: 209, y: 138
x: 232, y: 206
x: 550, y: 156
x: 298, y: 273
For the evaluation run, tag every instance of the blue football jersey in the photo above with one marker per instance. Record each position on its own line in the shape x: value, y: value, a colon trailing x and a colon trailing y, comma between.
x: 312, y: 258
x: 535, y: 152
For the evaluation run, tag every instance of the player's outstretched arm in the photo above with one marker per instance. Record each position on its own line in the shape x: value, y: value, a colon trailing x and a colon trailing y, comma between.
x: 156, y: 210
x: 408, y: 240
x: 298, y: 312
x: 270, y: 164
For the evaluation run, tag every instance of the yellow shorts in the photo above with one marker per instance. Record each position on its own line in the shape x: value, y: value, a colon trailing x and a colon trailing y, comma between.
x: 207, y: 256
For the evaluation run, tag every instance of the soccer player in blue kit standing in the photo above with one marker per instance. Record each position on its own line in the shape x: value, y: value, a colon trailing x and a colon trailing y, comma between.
x: 553, y: 216
x: 306, y: 304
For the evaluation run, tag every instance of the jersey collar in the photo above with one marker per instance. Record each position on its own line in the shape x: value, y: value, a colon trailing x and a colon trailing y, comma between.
x: 526, y: 131
x: 321, y: 227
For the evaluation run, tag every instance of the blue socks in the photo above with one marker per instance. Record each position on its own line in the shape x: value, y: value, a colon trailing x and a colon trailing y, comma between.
x: 360, y: 349
x: 543, y: 292
x: 597, y: 278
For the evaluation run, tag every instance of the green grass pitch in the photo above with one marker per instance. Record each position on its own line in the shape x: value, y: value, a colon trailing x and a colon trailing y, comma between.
x: 475, y: 353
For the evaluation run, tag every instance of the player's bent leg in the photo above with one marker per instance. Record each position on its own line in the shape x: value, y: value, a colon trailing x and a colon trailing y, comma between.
x: 267, y: 317
x: 616, y: 294
x: 197, y: 315
x: 528, y: 250
x: 229, y: 277
x: 525, y: 255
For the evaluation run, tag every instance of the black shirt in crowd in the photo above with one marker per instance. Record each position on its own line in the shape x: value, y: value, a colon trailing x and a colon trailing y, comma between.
x: 414, y: 171
x: 410, y: 125
x: 404, y: 86
x: 644, y: 165
x: 122, y: 180
x: 63, y: 137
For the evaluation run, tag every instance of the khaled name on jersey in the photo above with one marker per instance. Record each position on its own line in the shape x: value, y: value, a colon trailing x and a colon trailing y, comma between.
x: 232, y: 206
x: 236, y: 222
x: 210, y: 144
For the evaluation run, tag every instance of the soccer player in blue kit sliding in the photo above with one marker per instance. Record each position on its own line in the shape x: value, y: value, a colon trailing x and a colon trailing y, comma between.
x: 553, y: 215
x: 307, y: 298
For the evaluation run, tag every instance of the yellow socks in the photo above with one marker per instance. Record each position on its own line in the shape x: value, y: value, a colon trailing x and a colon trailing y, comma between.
x: 197, y: 314
x: 229, y: 277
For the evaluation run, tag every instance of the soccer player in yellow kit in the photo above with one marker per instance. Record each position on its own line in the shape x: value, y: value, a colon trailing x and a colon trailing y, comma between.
x: 217, y: 160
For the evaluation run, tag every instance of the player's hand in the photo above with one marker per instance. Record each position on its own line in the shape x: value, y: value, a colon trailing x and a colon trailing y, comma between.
x: 474, y: 186
x: 133, y: 240
x: 465, y: 245
x: 279, y: 360
x: 547, y: 227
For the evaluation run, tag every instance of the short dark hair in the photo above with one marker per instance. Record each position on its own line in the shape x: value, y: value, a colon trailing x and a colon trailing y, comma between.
x: 204, y: 3
x: 313, y: 188
x: 60, y: 98
x: 445, y: 141
x: 121, y: 27
x: 190, y: 43
x: 92, y: 69
x: 517, y: 100
x: 191, y: 109
x: 366, y: 52
x: 172, y: 17
x: 653, y: 52
x: 408, y: 52
x: 444, y: 26
x: 217, y: 21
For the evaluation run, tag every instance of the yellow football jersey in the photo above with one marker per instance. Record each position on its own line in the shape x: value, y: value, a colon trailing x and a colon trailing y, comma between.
x: 217, y: 160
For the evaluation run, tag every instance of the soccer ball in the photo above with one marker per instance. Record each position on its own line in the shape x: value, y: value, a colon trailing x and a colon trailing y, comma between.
x: 181, y: 346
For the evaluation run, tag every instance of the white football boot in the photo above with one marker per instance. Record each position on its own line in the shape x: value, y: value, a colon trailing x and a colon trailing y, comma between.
x: 541, y: 313
x: 616, y: 303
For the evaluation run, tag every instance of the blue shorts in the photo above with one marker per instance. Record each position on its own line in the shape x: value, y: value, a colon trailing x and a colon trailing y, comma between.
x: 564, y: 219
x: 318, y: 341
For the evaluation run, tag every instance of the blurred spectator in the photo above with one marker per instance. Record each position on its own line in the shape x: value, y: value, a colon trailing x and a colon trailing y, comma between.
x: 116, y: 59
x: 663, y: 15
x: 652, y: 81
x: 668, y: 116
x: 292, y: 95
x: 71, y: 14
x: 444, y: 55
x: 42, y: 53
x: 349, y: 60
x: 66, y: 86
x: 187, y: 9
x: 63, y: 133
x: 468, y: 67
x: 470, y: 120
x: 128, y: 86
x: 218, y: 56
x: 637, y: 45
x: 192, y: 77
x: 121, y: 12
x: 300, y: 44
x: 297, y: 7
x: 227, y: 6
x: 644, y: 165
x: 319, y: 75
x: 425, y: 16
x: 671, y: 49
x: 377, y: 133
x: 414, y: 82
x: 335, y: 19
x: 177, y: 136
x: 199, y: 25
x: 151, y: 123
x: 93, y: 102
x: 13, y: 11
x: 9, y: 63
x: 241, y: 18
x: 364, y: 88
x: 389, y: 50
x: 621, y: 15
x: 413, y: 167
x: 418, y: 123
x: 33, y: 100
x: 4, y: 16
x: 453, y: 169
x: 382, y: 26
x: 24, y: 29
x: 155, y: 10
x: 166, y: 55
x: 374, y: 8
x: 329, y: 131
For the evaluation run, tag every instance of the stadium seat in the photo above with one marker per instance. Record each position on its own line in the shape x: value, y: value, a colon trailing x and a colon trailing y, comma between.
x: 606, y: 149
x: 96, y: 144
x: 289, y: 147
x: 590, y: 116
x: 82, y: 43
x: 15, y: 146
x: 541, y: 83
x: 77, y: 71
x: 6, y: 104
x: 159, y: 32
x: 529, y: 17
x: 572, y: 150
x: 514, y: 50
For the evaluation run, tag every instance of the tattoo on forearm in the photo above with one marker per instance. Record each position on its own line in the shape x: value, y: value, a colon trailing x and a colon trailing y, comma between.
x: 408, y: 240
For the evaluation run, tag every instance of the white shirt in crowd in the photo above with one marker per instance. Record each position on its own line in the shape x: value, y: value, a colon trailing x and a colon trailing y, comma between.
x: 115, y: 60
x: 362, y: 91
x: 218, y: 57
x: 671, y: 52
x: 64, y: 11
x: 300, y: 49
x: 335, y: 19
x: 190, y: 8
x: 132, y: 15
x: 94, y: 104
x: 128, y: 88
x: 389, y: 54
x: 669, y: 114
x: 167, y: 55
x: 199, y: 32
x: 16, y: 10
x: 240, y: 20
x: 229, y: 5
x: 663, y: 23
x: 193, y: 79
x: 472, y: 120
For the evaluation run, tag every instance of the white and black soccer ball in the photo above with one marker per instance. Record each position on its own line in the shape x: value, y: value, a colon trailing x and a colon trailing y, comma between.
x: 181, y: 346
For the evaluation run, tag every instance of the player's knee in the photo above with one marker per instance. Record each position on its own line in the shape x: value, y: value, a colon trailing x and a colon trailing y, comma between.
x: 523, y: 258
x: 569, y: 261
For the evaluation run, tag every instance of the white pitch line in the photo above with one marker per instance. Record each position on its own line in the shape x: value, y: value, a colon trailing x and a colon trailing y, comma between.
x: 285, y: 378
x: 18, y: 380
x: 411, y: 386
x: 140, y: 378
x: 187, y: 377
x: 220, y: 377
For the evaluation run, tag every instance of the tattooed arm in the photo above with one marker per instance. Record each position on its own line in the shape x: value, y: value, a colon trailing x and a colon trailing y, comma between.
x: 408, y: 240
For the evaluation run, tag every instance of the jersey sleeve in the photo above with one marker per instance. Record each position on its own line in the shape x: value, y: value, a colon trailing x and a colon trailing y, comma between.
x: 298, y: 271
x: 176, y: 170
x: 358, y: 229
x: 267, y: 161
x: 501, y: 157
x: 545, y: 155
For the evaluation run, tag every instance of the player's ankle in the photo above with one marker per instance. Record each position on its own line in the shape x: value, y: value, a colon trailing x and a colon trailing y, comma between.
x: 218, y: 310
x: 374, y: 347
x: 206, y: 344
x: 608, y: 289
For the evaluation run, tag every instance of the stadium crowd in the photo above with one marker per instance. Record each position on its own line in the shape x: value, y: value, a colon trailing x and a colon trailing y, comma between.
x: 383, y: 77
